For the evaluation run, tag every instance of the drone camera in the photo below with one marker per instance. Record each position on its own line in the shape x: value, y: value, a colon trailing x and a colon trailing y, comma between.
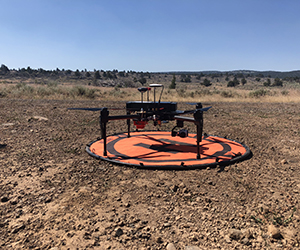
x: 183, y: 133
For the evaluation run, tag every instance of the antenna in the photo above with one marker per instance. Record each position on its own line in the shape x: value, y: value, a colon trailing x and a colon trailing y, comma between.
x: 143, y: 90
x: 155, y: 85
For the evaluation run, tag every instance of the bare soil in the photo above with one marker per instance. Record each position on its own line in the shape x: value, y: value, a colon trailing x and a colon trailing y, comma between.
x: 55, y: 196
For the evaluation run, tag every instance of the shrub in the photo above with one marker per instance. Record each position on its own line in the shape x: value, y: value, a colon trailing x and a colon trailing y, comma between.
x: 277, y: 82
x: 227, y: 94
x: 258, y: 93
x: 206, y: 83
x: 233, y: 83
x: 181, y: 92
x: 3, y: 93
x: 203, y: 92
x: 267, y: 83
x: 83, y: 92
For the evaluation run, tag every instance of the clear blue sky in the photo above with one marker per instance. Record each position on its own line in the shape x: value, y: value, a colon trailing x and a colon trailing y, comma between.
x: 151, y: 35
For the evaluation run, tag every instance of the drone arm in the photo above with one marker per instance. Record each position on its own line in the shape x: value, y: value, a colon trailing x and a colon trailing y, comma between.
x: 122, y: 117
x: 104, y: 118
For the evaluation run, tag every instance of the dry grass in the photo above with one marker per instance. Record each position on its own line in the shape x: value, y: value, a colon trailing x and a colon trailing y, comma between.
x: 183, y: 93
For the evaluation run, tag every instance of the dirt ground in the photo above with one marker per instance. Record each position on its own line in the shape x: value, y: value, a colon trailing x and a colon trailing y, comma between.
x: 55, y: 196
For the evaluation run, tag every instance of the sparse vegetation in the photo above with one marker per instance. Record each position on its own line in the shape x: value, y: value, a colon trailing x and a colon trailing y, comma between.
x: 258, y: 93
x: 61, y: 83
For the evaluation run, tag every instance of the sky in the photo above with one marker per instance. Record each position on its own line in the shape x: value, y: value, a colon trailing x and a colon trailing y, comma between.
x: 150, y: 35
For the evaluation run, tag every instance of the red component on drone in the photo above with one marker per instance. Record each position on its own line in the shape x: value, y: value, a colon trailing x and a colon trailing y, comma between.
x: 139, y: 124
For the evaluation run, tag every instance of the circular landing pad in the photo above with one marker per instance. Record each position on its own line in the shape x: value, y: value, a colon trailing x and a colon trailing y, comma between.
x: 158, y: 149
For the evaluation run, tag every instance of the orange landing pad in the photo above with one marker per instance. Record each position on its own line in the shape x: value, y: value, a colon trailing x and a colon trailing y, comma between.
x: 158, y: 149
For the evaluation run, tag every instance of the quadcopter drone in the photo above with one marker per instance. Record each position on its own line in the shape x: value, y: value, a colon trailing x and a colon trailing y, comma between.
x: 144, y: 111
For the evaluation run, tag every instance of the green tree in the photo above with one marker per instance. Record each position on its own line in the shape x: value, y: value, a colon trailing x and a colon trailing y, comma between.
x: 206, y: 83
x: 243, y: 81
x: 97, y: 75
x: 3, y: 69
x: 77, y: 73
x: 143, y: 80
x: 267, y: 83
x: 173, y: 83
x: 233, y: 83
x: 278, y: 82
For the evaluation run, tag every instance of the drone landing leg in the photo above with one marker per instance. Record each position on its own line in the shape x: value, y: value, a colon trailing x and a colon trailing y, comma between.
x: 128, y: 126
x: 198, y: 142
x: 103, y: 121
x: 198, y: 116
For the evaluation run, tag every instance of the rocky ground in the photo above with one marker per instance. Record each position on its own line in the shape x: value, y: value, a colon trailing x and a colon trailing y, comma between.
x: 55, y: 196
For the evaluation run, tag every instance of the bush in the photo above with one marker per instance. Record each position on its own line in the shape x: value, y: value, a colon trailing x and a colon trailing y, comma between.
x: 203, y: 92
x: 83, y: 92
x: 267, y: 83
x: 227, y: 94
x: 258, y: 93
x: 277, y: 82
x: 181, y: 92
x: 233, y: 83
x: 206, y: 83
x: 3, y: 93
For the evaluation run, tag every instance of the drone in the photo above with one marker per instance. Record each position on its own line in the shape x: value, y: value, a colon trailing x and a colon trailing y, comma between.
x: 144, y: 111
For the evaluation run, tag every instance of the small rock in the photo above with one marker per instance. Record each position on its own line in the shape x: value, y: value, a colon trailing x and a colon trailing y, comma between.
x: 118, y: 232
x: 167, y: 225
x: 288, y: 234
x: 274, y: 232
x: 235, y: 234
x: 4, y: 199
x: 171, y: 246
x: 17, y: 228
x: 38, y: 118
x: 227, y: 239
x: 191, y: 248
x: 174, y: 188
x: 245, y: 241
x: 284, y: 161
x: 7, y: 124
x: 159, y: 240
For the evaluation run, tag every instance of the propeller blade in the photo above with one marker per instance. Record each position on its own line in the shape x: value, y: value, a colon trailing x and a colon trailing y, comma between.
x: 95, y: 109
x: 192, y: 111
x: 88, y: 109
x: 192, y: 103
x: 205, y: 109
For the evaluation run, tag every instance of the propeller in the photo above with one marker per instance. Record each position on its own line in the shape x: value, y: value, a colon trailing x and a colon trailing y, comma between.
x: 193, y: 111
x: 192, y: 103
x: 95, y: 109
